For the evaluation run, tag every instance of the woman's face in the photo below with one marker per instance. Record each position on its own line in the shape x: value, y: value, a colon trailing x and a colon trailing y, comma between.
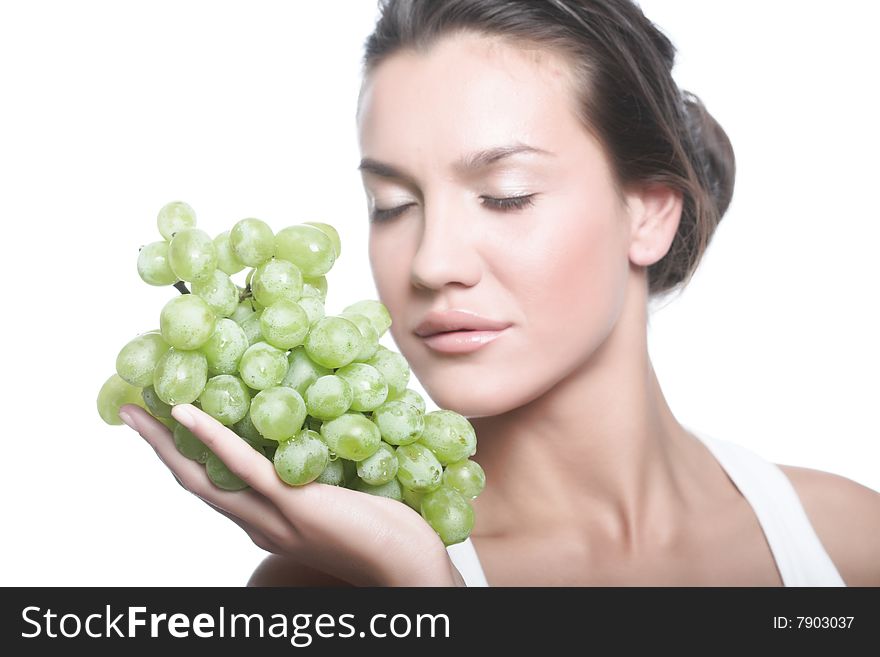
x: 556, y: 270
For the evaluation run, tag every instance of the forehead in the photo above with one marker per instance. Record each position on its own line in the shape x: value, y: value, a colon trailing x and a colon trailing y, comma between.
x: 466, y: 91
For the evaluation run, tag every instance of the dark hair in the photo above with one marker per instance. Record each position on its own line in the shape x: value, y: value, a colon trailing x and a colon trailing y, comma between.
x: 622, y: 66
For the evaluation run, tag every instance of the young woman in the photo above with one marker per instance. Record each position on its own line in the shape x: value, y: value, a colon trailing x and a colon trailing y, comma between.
x: 534, y: 177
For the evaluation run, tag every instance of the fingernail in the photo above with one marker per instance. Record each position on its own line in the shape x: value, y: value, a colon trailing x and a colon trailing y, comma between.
x: 125, y: 417
x: 183, y: 415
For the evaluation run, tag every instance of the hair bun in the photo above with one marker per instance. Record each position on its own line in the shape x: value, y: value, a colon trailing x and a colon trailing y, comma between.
x: 713, y: 152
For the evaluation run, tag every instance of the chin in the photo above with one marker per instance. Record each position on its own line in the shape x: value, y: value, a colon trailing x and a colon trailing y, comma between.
x: 473, y: 399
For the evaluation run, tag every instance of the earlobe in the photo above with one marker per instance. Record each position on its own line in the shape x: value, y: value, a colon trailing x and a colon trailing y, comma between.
x: 654, y: 214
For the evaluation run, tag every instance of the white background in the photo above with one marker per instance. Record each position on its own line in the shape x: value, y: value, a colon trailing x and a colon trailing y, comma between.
x: 108, y: 110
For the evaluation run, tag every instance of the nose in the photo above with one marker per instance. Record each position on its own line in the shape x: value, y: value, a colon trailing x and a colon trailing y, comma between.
x: 448, y: 249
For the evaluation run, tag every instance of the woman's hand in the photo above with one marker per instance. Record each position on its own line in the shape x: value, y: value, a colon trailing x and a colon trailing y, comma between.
x: 363, y: 539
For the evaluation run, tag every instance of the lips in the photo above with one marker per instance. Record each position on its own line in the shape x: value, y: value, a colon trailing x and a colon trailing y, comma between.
x: 447, y: 321
x: 461, y: 342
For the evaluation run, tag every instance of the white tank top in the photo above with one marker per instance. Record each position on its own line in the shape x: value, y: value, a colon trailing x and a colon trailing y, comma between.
x: 799, y: 554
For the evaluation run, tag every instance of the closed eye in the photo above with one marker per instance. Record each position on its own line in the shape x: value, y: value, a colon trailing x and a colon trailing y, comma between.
x: 504, y: 204
x: 509, y: 203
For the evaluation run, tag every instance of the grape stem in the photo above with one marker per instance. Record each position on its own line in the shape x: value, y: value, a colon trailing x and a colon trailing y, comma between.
x: 181, y: 287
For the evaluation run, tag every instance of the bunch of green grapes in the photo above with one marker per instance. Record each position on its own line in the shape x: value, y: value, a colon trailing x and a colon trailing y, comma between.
x: 315, y: 393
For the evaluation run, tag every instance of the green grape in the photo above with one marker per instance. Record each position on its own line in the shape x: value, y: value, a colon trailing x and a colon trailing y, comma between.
x: 252, y: 241
x: 221, y: 476
x: 308, y: 247
x: 152, y: 264
x: 225, y: 347
x: 409, y: 396
x: 189, y: 444
x: 169, y: 422
x: 373, y: 310
x: 465, y: 476
x: 262, y: 366
x: 314, y: 308
x: 137, y: 360
x: 330, y: 232
x: 191, y: 254
x: 391, y: 489
x: 449, y: 435
x: 449, y: 514
x: 187, y: 322
x: 368, y: 387
x: 225, y: 398
x: 113, y: 395
x: 219, y: 292
x: 370, y: 340
x: 227, y: 261
x: 412, y: 498
x: 317, y: 395
x: 251, y: 328
x: 180, y: 376
x: 394, y: 368
x: 418, y: 468
x: 156, y: 407
x: 351, y: 436
x: 380, y: 467
x: 302, y: 371
x: 333, y: 341
x: 315, y: 288
x: 275, y: 280
x: 278, y: 412
x: 328, y: 397
x: 284, y: 324
x: 301, y: 459
x: 399, y: 423
x: 333, y: 474
x: 242, y: 311
x: 173, y: 217
x: 249, y: 433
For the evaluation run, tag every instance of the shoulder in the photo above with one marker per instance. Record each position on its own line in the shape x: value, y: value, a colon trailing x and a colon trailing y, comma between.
x: 846, y: 517
x: 276, y: 570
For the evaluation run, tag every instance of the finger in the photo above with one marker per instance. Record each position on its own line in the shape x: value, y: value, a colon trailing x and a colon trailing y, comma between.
x: 255, y: 515
x: 157, y: 436
x: 248, y: 505
x: 259, y: 538
x: 244, y: 461
x: 333, y: 529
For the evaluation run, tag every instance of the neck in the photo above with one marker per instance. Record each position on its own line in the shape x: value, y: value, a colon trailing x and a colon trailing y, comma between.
x: 599, y: 454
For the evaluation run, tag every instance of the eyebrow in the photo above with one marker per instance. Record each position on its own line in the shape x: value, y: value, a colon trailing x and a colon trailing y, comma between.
x: 467, y: 164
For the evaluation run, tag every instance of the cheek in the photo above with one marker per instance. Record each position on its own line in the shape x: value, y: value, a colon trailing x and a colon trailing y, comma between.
x: 568, y: 283
x: 390, y: 262
x: 571, y: 269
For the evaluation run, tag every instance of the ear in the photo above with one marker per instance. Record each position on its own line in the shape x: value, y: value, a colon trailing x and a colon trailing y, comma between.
x: 654, y: 213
